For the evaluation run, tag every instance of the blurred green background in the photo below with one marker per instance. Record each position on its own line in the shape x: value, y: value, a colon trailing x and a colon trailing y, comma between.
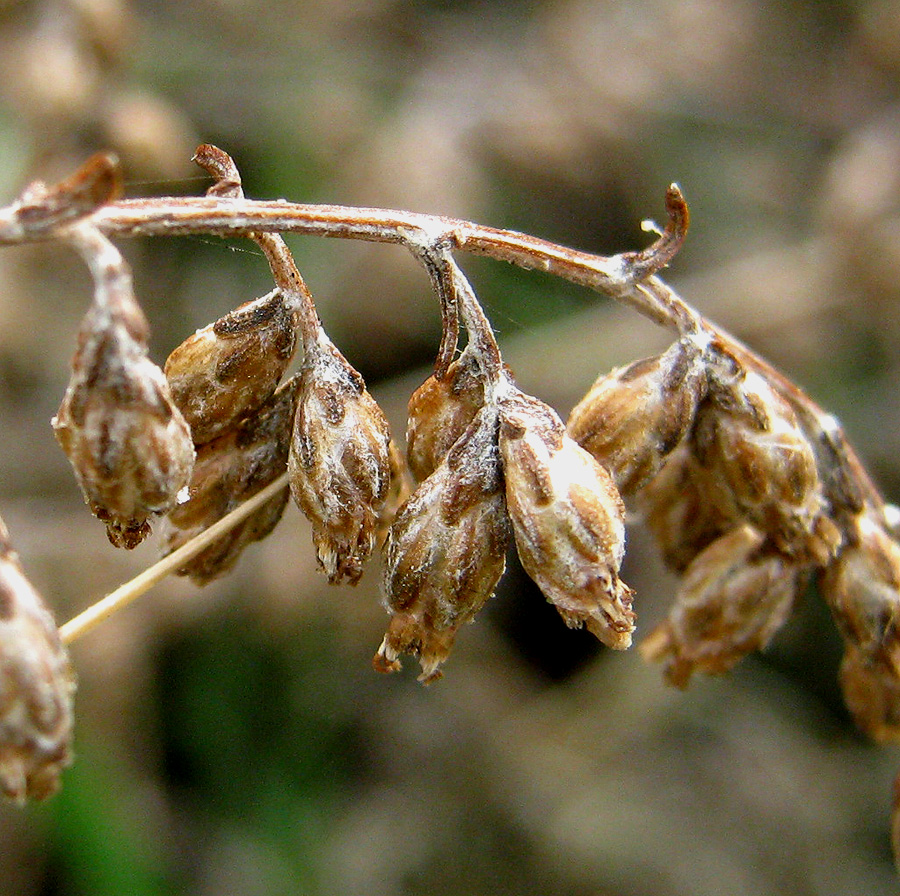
x: 234, y: 740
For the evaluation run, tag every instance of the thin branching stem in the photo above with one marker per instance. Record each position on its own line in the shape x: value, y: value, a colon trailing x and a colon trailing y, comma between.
x: 617, y: 276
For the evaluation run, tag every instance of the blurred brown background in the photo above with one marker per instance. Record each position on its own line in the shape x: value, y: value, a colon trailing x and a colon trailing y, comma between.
x: 234, y: 740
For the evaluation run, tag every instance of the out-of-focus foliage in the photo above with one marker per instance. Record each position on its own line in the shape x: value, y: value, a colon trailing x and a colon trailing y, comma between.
x: 234, y: 739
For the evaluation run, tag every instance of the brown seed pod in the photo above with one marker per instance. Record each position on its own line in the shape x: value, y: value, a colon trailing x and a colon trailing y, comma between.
x: 871, y: 687
x: 677, y: 507
x: 734, y: 597
x: 568, y: 519
x: 862, y: 587
x: 339, y: 461
x: 36, y: 688
x: 446, y: 551
x: 228, y: 470
x: 440, y: 411
x: 231, y: 367
x: 127, y: 441
x: 749, y: 439
x: 635, y: 416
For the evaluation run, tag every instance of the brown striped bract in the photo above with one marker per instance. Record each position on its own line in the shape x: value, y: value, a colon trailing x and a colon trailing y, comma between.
x: 127, y: 441
x: 568, y: 520
x: 446, y: 550
x: 339, y: 461
x: 734, y: 597
x: 440, y: 410
x: 632, y: 418
x: 229, y: 368
x: 36, y: 688
x: 228, y: 470
x: 750, y: 441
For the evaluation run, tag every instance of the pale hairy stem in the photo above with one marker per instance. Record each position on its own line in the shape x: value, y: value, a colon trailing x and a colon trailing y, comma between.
x: 615, y: 276
x: 133, y: 589
x: 287, y: 277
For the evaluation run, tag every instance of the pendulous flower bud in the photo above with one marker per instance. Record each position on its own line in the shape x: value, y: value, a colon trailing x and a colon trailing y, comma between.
x: 127, y: 441
x: 677, y: 507
x: 339, y: 461
x: 733, y: 598
x: 231, y: 367
x: 862, y: 587
x: 445, y: 551
x: 36, y: 688
x: 568, y: 520
x: 749, y: 439
x: 229, y: 470
x: 440, y: 411
x: 635, y: 416
x: 870, y: 684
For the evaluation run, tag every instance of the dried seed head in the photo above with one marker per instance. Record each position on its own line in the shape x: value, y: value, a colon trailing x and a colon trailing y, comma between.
x: 440, y: 411
x: 568, y: 520
x: 677, y: 509
x: 445, y: 551
x: 36, y: 688
x: 632, y: 418
x: 862, y: 587
x: 339, y: 461
x: 734, y: 597
x: 748, y: 437
x: 871, y: 688
x: 128, y: 442
x: 228, y: 470
x: 228, y: 369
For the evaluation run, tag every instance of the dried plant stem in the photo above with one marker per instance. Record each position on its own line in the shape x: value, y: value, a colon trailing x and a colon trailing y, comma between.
x: 629, y: 278
x: 131, y: 590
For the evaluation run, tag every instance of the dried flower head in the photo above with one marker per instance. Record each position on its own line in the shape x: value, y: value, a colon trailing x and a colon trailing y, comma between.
x: 568, y: 519
x: 127, y: 441
x: 677, y: 508
x: 870, y: 684
x: 339, y: 460
x: 446, y: 550
x: 734, y: 597
x: 635, y: 416
x: 36, y: 687
x: 750, y: 440
x: 228, y: 470
x: 231, y: 367
x: 862, y: 587
x: 440, y: 411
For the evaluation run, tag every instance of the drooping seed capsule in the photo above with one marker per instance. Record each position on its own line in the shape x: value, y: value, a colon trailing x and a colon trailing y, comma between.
x: 339, y: 461
x: 635, y: 416
x: 229, y: 368
x: 870, y: 684
x: 36, y: 688
x: 678, y: 508
x: 228, y: 470
x: 862, y: 586
x: 734, y: 597
x: 446, y: 551
x: 749, y: 439
x: 568, y: 520
x: 862, y: 589
x: 440, y: 411
x: 127, y: 441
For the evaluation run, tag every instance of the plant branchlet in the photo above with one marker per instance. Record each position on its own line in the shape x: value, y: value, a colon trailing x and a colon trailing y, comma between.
x: 749, y: 488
